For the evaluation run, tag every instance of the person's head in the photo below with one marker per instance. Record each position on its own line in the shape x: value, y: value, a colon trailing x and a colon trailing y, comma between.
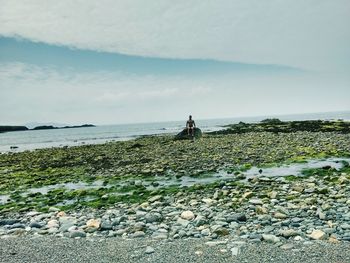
x: 190, y: 117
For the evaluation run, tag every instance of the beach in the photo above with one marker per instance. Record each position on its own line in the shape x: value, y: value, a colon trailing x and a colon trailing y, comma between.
x: 230, y: 192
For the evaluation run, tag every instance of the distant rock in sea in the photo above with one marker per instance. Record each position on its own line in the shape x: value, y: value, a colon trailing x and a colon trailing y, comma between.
x: 9, y: 128
x: 12, y: 128
x: 50, y: 127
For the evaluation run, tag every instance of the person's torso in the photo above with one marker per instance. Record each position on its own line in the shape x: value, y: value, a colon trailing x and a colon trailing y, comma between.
x: 190, y: 123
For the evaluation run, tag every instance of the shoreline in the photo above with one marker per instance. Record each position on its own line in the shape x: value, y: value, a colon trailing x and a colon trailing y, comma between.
x: 110, y: 198
x: 120, y: 135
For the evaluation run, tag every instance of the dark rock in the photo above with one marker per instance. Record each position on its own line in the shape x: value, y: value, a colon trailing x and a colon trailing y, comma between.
x: 236, y: 218
x: 35, y: 225
x: 50, y: 127
x: 183, y: 135
x: 12, y: 128
x: 16, y: 225
x: 5, y: 222
x: 153, y: 217
x: 106, y: 226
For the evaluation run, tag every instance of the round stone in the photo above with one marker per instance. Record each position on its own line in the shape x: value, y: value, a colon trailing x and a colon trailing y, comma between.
x: 187, y: 215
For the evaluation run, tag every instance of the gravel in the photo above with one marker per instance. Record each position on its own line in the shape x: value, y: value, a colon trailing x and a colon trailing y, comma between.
x: 52, y: 249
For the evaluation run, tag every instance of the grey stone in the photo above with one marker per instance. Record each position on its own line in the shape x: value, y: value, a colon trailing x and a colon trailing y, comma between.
x: 138, y: 234
x: 236, y: 218
x: 153, y: 217
x: 270, y: 238
x: 200, y: 220
x: 16, y: 225
x: 8, y: 222
x: 184, y: 223
x: 205, y: 232
x: 65, y: 227
x: 105, y: 225
x: 149, y: 250
x: 77, y: 233
x: 256, y: 202
x: 35, y: 225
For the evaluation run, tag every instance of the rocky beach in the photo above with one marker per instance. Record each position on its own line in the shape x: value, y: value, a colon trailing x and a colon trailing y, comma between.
x: 281, y: 185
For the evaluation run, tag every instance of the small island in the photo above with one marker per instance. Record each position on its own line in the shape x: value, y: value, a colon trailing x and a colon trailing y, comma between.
x: 13, y: 128
x: 9, y: 128
x: 50, y: 127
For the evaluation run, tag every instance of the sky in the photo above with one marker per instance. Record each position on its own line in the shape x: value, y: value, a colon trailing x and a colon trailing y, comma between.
x: 127, y: 61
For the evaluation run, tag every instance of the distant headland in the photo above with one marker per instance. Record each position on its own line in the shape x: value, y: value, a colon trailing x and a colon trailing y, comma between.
x: 42, y: 127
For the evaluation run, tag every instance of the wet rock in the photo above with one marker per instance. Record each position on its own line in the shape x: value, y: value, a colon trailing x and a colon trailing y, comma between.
x: 35, y: 225
x: 155, y: 198
x: 4, y: 222
x: 17, y: 225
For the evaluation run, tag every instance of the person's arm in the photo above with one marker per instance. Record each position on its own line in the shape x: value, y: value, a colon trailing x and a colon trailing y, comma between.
x: 194, y: 124
x: 187, y: 124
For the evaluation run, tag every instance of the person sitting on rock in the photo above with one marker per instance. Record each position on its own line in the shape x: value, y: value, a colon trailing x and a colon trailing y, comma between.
x: 190, y: 125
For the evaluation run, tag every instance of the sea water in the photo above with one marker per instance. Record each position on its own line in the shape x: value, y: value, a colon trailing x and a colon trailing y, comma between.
x: 30, y: 140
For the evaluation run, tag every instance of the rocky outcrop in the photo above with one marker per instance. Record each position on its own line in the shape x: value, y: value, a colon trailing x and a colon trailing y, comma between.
x: 50, y: 127
x: 183, y: 135
x: 12, y: 128
x: 278, y: 126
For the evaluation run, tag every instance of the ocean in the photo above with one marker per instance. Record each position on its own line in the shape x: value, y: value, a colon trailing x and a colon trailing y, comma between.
x: 31, y: 140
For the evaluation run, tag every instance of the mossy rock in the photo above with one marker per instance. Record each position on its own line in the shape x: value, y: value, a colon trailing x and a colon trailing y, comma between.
x: 183, y: 135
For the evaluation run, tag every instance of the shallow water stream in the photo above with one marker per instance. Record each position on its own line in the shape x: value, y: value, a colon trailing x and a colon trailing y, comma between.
x: 158, y: 182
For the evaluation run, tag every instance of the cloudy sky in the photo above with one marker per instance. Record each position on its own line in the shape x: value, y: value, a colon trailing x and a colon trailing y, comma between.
x: 125, y: 61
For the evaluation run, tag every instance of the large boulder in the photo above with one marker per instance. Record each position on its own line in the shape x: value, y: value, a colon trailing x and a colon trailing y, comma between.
x: 183, y: 135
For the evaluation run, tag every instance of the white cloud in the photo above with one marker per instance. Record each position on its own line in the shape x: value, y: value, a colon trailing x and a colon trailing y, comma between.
x: 310, y: 34
x: 32, y: 93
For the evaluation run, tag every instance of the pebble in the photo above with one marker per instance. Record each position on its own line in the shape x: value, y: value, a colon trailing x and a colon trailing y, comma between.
x: 318, y: 235
x: 77, y: 234
x: 256, y: 202
x: 35, y: 225
x: 138, y: 234
x: 149, y: 250
x: 5, y: 222
x: 187, y: 215
x: 235, y: 251
x: 270, y: 238
x: 93, y: 223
